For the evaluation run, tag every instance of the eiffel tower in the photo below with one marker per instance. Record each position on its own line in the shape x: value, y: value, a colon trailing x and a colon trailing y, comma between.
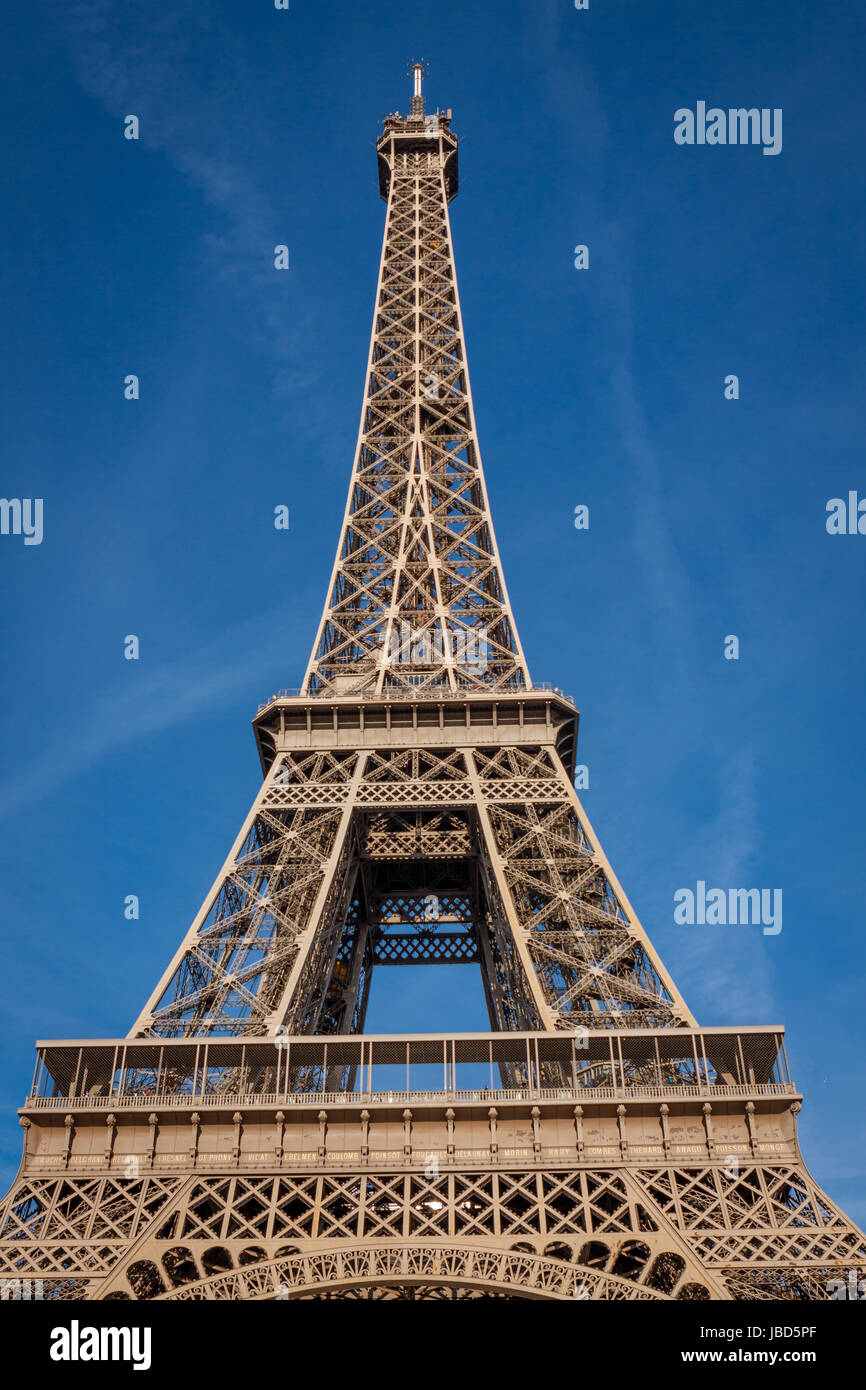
x: 247, y: 1139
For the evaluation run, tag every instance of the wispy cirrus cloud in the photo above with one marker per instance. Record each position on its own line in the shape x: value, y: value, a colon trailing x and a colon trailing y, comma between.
x: 157, y: 64
x: 734, y: 980
x: 208, y: 676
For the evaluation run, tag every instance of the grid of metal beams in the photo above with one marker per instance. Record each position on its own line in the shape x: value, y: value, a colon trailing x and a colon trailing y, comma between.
x: 417, y: 598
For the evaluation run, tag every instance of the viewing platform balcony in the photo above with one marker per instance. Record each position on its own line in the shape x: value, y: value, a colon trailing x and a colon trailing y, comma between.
x: 412, y: 1069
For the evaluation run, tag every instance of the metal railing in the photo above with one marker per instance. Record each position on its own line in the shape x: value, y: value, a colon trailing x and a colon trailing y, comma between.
x: 436, y: 692
x: 345, y: 1068
x: 212, y: 1100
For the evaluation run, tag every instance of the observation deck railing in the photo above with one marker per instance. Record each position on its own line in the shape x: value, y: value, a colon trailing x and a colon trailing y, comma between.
x: 434, y: 692
x: 609, y: 1064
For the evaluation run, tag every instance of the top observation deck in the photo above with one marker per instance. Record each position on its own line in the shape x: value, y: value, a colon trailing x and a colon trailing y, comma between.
x: 418, y: 141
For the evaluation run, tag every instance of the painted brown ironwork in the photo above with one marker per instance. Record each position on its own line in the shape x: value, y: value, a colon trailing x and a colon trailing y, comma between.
x: 248, y: 1140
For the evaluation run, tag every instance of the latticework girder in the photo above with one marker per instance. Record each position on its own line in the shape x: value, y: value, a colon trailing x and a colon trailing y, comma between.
x: 417, y: 598
x: 328, y: 851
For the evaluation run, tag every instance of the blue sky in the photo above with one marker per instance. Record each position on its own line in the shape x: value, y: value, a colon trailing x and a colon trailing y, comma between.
x: 603, y: 387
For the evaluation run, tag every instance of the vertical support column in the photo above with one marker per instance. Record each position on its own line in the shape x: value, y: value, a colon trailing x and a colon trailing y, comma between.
x: 69, y: 1125
x: 111, y: 1127
x: 530, y: 984
x: 492, y: 1114
x: 73, y: 1090
x: 750, y: 1121
x: 707, y: 1111
x: 578, y: 1129
x: 664, y: 1112
x: 623, y: 1136
x: 288, y: 1003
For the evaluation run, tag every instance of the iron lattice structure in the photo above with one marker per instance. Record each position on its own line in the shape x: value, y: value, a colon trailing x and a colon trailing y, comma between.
x: 247, y: 1139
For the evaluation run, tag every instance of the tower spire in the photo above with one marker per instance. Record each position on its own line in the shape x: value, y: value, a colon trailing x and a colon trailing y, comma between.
x: 417, y: 597
x: 418, y: 70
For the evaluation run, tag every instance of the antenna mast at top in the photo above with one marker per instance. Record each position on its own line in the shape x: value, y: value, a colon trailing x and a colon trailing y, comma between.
x: 418, y: 70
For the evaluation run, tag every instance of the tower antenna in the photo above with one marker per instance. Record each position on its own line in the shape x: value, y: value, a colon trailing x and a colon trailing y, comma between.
x: 418, y: 69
